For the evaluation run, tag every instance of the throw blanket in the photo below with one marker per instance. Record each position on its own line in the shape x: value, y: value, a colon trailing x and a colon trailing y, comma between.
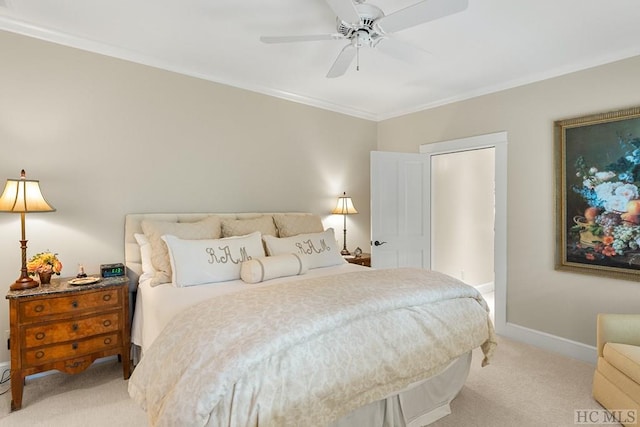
x: 309, y: 351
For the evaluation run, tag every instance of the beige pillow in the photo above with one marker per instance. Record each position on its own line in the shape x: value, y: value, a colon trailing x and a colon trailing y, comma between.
x: 241, y: 227
x: 208, y: 228
x: 291, y: 225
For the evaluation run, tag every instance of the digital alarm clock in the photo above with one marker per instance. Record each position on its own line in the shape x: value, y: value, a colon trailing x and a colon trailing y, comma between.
x: 112, y: 270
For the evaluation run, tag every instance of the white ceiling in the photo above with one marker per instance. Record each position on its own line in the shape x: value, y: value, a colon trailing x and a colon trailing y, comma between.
x: 492, y: 45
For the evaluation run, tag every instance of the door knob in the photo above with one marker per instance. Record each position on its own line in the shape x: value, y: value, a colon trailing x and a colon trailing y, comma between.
x: 378, y: 243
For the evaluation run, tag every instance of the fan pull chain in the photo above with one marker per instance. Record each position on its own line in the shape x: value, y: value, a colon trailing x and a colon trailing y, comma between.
x: 357, y: 57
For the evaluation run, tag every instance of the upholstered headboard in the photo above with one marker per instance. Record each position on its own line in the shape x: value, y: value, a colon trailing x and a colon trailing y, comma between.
x: 132, y: 225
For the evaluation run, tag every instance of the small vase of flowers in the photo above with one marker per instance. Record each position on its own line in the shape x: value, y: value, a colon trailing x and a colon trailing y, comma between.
x: 44, y: 264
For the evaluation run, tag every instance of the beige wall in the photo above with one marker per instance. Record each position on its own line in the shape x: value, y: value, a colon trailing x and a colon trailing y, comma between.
x: 106, y: 137
x: 538, y: 297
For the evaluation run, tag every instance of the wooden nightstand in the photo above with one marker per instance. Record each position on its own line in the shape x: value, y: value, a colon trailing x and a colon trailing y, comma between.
x: 364, y: 259
x: 65, y: 327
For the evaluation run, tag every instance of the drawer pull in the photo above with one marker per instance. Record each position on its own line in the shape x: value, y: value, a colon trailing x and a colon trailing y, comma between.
x: 74, y: 327
x: 74, y: 346
x: 39, y: 308
x: 40, y: 335
x: 107, y: 341
x: 39, y: 354
x: 106, y: 297
x: 74, y: 304
x: 106, y: 323
x: 75, y: 364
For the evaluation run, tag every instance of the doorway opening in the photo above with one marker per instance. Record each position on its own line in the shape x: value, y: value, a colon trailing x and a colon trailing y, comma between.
x: 463, y: 217
x: 461, y: 228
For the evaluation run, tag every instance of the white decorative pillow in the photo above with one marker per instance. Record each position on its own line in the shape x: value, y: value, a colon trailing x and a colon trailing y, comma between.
x: 291, y: 225
x: 194, y: 262
x: 241, y: 227
x: 260, y: 269
x: 145, y: 255
x: 207, y: 228
x: 319, y: 249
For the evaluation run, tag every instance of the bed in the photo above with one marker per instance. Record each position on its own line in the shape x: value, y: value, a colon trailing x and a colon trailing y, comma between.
x: 300, y: 338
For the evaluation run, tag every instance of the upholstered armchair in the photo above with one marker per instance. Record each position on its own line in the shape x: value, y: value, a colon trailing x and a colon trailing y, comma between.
x: 616, y: 382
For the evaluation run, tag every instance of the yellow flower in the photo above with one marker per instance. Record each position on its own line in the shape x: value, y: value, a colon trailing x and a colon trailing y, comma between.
x: 44, y: 262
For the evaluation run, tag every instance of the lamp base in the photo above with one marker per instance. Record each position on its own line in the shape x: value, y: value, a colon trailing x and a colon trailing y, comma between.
x: 24, y: 283
x: 345, y: 252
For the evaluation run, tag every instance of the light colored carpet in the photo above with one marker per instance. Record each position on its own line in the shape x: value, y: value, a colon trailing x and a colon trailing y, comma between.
x: 96, y: 397
x: 523, y: 386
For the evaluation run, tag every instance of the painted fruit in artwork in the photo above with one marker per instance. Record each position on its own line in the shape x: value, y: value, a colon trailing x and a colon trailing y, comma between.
x: 590, y: 214
x: 633, y: 207
x: 633, y: 219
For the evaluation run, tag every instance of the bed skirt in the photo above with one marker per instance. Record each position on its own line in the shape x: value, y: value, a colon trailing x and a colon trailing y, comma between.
x: 419, y: 405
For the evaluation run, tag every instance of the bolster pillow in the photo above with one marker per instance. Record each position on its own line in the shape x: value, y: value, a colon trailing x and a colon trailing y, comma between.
x: 260, y: 269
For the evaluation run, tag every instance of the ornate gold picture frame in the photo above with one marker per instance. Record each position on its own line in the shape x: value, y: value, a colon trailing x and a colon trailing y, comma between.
x: 598, y: 194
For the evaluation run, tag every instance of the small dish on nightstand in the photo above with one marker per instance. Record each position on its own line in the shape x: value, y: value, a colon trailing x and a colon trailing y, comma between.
x: 84, y: 281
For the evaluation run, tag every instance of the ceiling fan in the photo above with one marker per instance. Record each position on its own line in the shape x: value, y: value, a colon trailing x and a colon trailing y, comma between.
x: 365, y: 25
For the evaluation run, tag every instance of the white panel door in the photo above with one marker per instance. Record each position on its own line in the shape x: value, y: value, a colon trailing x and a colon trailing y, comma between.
x: 400, y: 210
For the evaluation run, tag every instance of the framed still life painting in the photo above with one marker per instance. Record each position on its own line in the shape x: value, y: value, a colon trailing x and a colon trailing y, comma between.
x: 598, y: 194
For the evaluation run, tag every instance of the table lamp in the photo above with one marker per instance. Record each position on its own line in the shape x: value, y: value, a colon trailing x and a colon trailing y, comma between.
x: 344, y: 207
x: 22, y: 196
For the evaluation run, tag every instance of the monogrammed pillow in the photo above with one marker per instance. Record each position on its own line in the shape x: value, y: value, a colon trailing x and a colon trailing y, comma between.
x: 319, y: 249
x: 194, y: 262
x: 207, y: 228
x: 260, y: 269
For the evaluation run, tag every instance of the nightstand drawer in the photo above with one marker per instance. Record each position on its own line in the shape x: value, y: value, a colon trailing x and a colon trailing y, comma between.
x: 69, y: 304
x: 75, y: 329
x: 71, y: 349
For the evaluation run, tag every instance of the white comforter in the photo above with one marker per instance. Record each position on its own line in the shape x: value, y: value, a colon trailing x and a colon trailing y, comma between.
x: 307, y: 352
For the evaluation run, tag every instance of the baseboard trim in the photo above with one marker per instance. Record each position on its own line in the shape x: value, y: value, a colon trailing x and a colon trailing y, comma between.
x: 556, y: 344
x: 485, y: 287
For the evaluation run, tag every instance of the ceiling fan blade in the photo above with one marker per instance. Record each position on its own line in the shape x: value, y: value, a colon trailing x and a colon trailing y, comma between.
x: 342, y: 62
x: 401, y: 50
x: 419, y: 13
x: 345, y: 10
x: 293, y: 39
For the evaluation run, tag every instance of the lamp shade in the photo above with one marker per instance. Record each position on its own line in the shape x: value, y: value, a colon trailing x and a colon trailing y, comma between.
x: 22, y: 196
x: 344, y: 206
